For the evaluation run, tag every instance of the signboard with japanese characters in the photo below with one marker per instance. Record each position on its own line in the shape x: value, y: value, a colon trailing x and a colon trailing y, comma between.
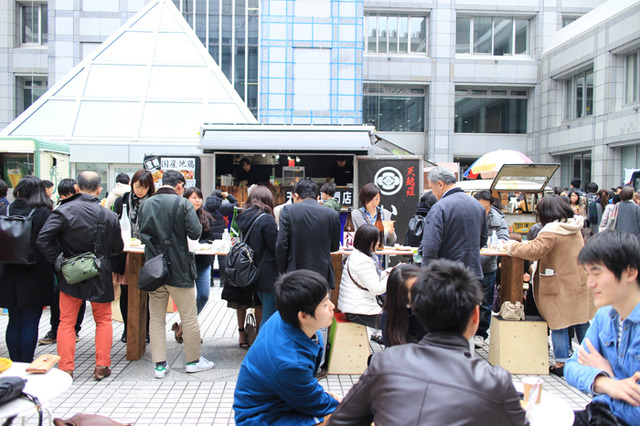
x: 188, y: 166
x: 400, y: 183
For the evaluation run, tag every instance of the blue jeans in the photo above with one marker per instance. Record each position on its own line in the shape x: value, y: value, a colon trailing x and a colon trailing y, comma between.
x: 561, y: 342
x: 203, y: 287
x: 268, y: 306
x: 488, y: 288
x: 22, y: 333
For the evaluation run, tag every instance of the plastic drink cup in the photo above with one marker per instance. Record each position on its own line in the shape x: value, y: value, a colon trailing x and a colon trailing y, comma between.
x: 532, y: 386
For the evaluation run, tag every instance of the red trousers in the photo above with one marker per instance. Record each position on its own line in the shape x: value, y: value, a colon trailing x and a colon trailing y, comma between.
x: 69, y: 307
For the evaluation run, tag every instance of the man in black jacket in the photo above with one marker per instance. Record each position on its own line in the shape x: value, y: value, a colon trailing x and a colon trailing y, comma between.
x: 71, y: 229
x: 428, y: 382
x: 308, y: 233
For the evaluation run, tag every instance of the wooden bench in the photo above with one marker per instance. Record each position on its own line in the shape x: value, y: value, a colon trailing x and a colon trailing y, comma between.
x: 349, y: 346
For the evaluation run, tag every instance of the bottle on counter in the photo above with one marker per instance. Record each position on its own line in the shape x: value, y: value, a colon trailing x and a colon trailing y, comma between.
x: 349, y: 232
x: 380, y: 227
x: 493, y: 241
x: 125, y: 225
x: 234, y: 232
x: 226, y: 240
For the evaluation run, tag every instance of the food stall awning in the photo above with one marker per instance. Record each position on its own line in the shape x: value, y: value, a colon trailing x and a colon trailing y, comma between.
x: 523, y: 177
x: 260, y: 138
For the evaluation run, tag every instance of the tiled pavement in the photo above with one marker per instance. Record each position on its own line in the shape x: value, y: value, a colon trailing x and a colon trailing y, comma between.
x: 132, y: 395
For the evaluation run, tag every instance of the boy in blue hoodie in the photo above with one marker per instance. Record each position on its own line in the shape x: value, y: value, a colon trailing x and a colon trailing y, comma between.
x: 276, y: 382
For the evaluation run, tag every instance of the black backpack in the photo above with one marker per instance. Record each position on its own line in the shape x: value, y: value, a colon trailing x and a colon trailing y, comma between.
x: 15, y: 233
x: 414, y: 231
x: 241, y: 269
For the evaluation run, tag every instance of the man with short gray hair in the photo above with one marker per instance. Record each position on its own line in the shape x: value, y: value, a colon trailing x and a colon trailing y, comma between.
x: 456, y: 226
x: 72, y: 229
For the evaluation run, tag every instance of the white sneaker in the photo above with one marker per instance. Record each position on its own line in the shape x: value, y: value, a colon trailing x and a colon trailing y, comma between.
x: 478, y: 341
x: 202, y: 365
x: 161, y: 370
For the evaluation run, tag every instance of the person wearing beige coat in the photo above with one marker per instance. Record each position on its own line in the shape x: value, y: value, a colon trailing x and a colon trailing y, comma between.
x: 560, y: 283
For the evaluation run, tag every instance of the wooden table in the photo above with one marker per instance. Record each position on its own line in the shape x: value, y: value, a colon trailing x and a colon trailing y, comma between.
x: 511, y: 274
x: 138, y: 306
x: 336, y: 261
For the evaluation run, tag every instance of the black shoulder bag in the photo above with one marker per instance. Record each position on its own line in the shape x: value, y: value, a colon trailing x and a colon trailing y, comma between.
x: 83, y: 266
x: 15, y: 233
x: 155, y: 272
x: 12, y: 387
x: 241, y: 269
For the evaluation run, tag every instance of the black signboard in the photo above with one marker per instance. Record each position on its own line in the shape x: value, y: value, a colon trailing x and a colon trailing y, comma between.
x: 400, y: 183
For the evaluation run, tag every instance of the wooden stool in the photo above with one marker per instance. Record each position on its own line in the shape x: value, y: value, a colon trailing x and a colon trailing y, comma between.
x: 349, y: 346
x: 520, y: 347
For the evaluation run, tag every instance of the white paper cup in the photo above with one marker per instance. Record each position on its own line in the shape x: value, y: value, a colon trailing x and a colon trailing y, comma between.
x: 531, y: 385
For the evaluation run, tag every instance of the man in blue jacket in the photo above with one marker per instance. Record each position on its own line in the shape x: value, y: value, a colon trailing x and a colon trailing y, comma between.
x: 456, y: 226
x: 607, y: 364
x: 276, y: 382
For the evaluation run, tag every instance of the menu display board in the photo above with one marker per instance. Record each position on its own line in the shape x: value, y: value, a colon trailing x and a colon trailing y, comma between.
x: 400, y: 186
x: 188, y: 166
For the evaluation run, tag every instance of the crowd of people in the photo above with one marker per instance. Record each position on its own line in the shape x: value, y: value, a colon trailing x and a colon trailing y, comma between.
x: 584, y: 256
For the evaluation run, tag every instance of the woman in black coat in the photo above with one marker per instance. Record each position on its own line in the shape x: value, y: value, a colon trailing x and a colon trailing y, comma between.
x: 262, y: 240
x: 26, y: 289
x: 220, y: 205
x: 142, y: 187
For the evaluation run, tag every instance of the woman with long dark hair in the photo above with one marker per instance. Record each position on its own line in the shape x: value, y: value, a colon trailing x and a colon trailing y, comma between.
x: 262, y: 240
x: 203, y: 262
x: 398, y: 323
x: 362, y: 279
x: 574, y: 199
x: 142, y: 188
x: 26, y: 289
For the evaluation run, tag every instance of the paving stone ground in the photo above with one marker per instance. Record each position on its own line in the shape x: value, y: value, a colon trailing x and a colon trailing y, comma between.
x: 133, y: 395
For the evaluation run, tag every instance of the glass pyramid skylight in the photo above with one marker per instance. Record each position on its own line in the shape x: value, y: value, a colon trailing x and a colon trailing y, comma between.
x: 152, y: 80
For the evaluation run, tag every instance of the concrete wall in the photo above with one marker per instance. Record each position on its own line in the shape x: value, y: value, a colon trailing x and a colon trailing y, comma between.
x: 613, y: 123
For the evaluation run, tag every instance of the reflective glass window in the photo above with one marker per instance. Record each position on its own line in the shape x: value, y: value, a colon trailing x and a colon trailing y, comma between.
x: 631, y: 78
x: 394, y: 109
x: 490, y: 115
x: 418, y: 34
x: 503, y: 36
x: 482, y: 34
x: 463, y: 35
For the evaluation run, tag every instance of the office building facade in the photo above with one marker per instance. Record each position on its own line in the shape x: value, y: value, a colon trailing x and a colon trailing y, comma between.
x: 450, y: 80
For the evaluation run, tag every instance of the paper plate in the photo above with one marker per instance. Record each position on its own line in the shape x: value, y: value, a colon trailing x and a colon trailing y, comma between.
x: 5, y: 363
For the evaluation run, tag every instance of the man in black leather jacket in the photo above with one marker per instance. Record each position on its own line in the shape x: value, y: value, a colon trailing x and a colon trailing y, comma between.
x: 435, y: 381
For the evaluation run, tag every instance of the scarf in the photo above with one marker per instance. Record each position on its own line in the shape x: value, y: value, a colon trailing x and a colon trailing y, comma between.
x: 134, y: 204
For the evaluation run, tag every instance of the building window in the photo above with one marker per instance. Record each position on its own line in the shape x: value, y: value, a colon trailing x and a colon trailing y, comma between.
x: 632, y: 72
x: 492, y: 35
x: 566, y: 20
x: 576, y: 165
x: 395, y: 33
x: 579, y: 95
x: 394, y: 108
x: 230, y: 33
x: 34, y: 24
x: 28, y: 90
x: 490, y: 110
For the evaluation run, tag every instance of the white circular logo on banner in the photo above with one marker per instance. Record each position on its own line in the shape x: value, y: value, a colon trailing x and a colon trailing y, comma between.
x: 389, y: 179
